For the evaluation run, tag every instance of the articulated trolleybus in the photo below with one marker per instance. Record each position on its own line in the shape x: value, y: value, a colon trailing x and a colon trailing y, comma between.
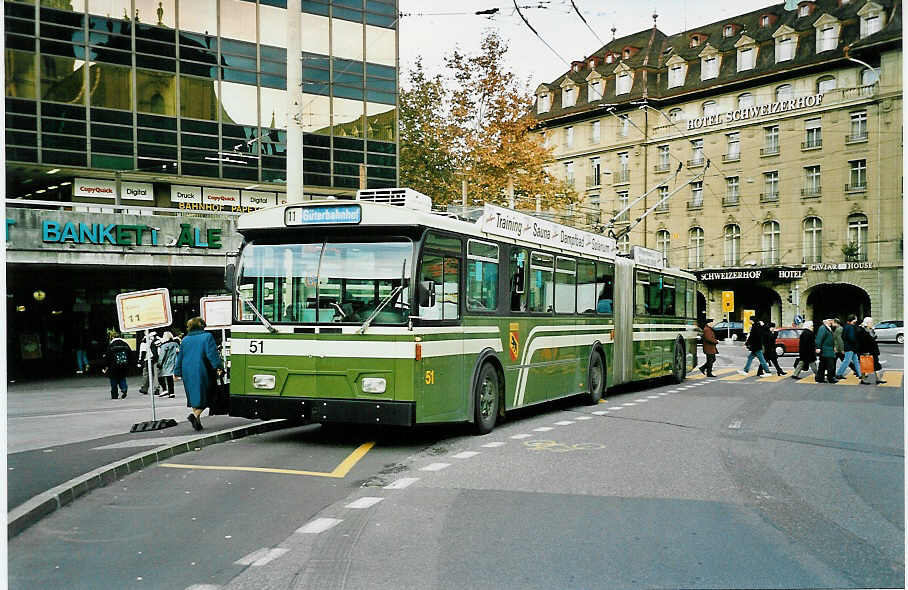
x: 379, y: 311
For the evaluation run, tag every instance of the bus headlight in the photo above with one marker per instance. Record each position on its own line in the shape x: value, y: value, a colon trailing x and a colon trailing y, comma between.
x: 263, y: 381
x: 374, y: 385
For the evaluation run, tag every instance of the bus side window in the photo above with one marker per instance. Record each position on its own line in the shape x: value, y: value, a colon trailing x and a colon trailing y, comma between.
x: 482, y: 276
x: 541, y: 288
x: 605, y: 282
x: 565, y: 285
x: 691, y: 300
x: 586, y: 286
x: 654, y: 294
x: 668, y: 296
x: 641, y: 287
x: 444, y: 271
x: 680, y: 290
x: 518, y: 262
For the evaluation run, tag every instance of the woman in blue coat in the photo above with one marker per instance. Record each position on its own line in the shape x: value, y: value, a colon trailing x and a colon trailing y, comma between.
x: 198, y: 363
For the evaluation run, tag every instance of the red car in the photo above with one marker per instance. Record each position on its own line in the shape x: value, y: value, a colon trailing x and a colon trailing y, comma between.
x: 787, y: 340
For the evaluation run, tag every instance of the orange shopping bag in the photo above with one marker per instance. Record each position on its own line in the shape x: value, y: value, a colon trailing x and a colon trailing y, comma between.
x: 866, y: 364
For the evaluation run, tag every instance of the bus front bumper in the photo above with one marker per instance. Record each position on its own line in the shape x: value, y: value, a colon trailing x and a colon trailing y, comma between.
x: 326, y: 411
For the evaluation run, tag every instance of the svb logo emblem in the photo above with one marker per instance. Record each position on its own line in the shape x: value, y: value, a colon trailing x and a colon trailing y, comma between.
x: 514, y: 340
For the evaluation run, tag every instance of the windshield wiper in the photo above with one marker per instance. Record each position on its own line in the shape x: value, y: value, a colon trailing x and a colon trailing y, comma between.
x: 386, y: 300
x: 258, y: 314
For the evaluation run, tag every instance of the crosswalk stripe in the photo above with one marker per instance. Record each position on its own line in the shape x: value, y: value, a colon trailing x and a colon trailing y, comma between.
x: 774, y: 378
x: 737, y: 377
x: 892, y: 379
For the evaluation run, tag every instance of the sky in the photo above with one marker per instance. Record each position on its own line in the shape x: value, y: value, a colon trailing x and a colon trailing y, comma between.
x: 432, y: 28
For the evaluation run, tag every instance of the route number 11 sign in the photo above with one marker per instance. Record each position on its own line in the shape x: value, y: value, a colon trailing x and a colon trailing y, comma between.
x: 144, y: 310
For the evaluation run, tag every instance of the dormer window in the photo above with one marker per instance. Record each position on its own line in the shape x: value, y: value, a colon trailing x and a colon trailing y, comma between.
x: 623, y: 83
x: 568, y: 97
x: 676, y: 76
x: 827, y: 33
x: 872, y: 16
x: 709, y: 68
x: 728, y: 31
x: 609, y: 58
x: 804, y: 10
x: 786, y: 43
x: 543, y: 103
x: 592, y: 63
x: 695, y: 40
x: 595, y: 90
x: 627, y: 53
x: 747, y: 53
x: 764, y: 21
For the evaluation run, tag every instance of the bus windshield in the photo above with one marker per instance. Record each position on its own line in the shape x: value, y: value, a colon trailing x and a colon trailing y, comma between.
x: 326, y: 282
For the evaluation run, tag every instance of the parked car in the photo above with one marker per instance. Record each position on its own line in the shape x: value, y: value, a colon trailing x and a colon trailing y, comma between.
x: 725, y: 330
x: 889, y: 331
x: 787, y: 340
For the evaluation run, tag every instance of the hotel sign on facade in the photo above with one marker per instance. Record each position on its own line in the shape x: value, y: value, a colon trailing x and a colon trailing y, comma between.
x: 754, y: 112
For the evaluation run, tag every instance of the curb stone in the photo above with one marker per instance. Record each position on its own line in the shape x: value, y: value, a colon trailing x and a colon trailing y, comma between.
x: 31, y: 511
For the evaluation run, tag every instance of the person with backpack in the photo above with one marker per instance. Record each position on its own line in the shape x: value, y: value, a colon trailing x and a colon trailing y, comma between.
x: 116, y: 365
x: 167, y: 360
x: 754, y: 344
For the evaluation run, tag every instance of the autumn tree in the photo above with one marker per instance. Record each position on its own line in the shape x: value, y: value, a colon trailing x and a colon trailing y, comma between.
x: 475, y: 122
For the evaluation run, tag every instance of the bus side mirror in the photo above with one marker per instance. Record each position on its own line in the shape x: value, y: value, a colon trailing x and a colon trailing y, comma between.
x: 230, y: 277
x: 426, y: 293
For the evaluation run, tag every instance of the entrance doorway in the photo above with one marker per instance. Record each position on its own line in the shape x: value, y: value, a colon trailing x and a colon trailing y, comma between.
x: 836, y: 300
x: 765, y: 302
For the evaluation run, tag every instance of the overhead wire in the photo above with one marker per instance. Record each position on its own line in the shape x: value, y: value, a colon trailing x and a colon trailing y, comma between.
x: 535, y: 32
x: 577, y: 10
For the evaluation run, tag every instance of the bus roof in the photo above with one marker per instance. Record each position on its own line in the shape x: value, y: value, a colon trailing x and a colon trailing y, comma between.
x: 496, y: 223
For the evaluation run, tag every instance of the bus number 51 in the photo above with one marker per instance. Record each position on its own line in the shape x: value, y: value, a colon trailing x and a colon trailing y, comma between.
x: 430, y: 377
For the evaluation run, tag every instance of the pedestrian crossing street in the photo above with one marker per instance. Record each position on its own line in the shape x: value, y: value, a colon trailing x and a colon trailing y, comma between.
x: 891, y: 378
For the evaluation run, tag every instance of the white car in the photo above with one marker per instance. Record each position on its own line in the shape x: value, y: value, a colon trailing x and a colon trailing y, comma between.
x: 892, y: 330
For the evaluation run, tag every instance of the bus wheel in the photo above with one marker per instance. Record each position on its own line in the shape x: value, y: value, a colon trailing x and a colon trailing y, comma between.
x: 595, y: 380
x: 485, y: 399
x: 678, y: 367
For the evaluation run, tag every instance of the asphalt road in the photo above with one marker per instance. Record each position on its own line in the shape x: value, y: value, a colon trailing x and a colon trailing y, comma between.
x: 732, y: 483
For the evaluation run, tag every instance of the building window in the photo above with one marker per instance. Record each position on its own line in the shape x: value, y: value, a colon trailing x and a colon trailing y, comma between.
x: 813, y: 240
x: 623, y: 84
x: 812, y: 181
x: 694, y: 41
x: 746, y: 58
x: 547, y: 139
x: 663, y: 244
x: 609, y: 58
x: 813, y: 134
x: 675, y: 115
x: 858, y: 229
x: 595, y: 90
x: 784, y: 92
x: 764, y: 21
x: 663, y: 200
x: 569, y: 136
x: 595, y: 216
x: 663, y: 157
x: 857, y: 175
x: 676, y: 76
x: 627, y: 53
x: 709, y: 68
x: 826, y: 84
x: 595, y: 132
x: 771, y: 236
x: 624, y: 173
x: 696, y: 152
x: 695, y: 242
x: 623, y: 197
x: 870, y: 77
x: 827, y: 38
x: 858, y: 126
x: 732, y: 244
x: 771, y: 140
x: 728, y: 31
x: 710, y: 109
x: 595, y: 172
x: 624, y: 126
x: 785, y: 47
x: 732, y: 190
x: 696, y: 194
x: 543, y: 105
x: 734, y: 146
x: 569, y: 173
x: 804, y: 10
x: 624, y: 244
x: 745, y: 100
x: 568, y: 97
x: 771, y: 186
x: 871, y: 23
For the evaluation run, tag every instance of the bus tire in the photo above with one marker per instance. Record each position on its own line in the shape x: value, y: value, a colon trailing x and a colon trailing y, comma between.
x: 486, y: 397
x: 679, y: 367
x: 595, y: 377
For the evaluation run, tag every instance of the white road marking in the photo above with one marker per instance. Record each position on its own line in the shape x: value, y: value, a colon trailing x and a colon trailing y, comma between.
x: 564, y: 422
x: 614, y: 408
x: 629, y: 404
x: 493, y: 445
x: 583, y: 417
x: 204, y: 587
x: 435, y: 466
x: 641, y: 400
x: 663, y: 394
x: 736, y: 425
x: 674, y: 390
x: 543, y: 429
x: 261, y: 557
x: 601, y: 412
x: 465, y: 454
x: 402, y: 483
x: 364, y: 502
x: 652, y: 397
x: 519, y: 436
x: 319, y: 525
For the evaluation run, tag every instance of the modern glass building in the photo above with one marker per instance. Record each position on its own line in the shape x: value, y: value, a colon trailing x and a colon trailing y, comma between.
x: 197, y: 88
x: 137, y: 130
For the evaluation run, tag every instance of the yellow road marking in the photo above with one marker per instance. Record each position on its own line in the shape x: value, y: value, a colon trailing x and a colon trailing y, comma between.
x: 737, y: 377
x: 339, y: 472
x: 774, y: 378
x: 892, y: 379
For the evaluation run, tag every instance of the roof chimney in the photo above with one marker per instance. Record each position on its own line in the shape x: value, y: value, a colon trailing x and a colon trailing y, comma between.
x: 791, y: 5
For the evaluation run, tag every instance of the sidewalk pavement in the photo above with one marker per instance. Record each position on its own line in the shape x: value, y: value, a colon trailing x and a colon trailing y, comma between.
x: 66, y: 437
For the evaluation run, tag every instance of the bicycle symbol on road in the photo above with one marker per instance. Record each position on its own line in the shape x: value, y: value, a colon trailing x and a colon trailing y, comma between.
x: 557, y: 447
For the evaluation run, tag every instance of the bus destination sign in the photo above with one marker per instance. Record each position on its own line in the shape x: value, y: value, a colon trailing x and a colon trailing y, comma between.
x: 507, y: 223
x: 323, y: 215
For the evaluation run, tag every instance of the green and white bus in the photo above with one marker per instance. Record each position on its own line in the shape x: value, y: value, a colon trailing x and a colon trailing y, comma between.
x: 380, y: 311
